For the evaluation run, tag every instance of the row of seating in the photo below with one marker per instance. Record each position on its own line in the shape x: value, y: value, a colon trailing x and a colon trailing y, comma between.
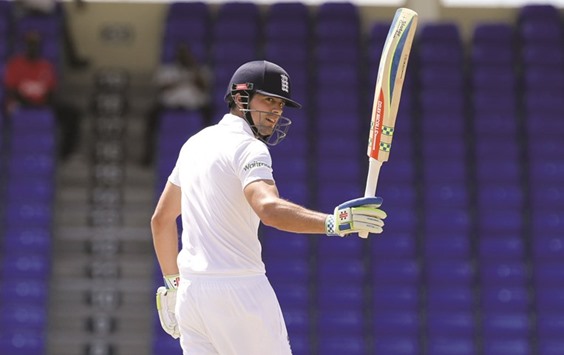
x: 25, y: 246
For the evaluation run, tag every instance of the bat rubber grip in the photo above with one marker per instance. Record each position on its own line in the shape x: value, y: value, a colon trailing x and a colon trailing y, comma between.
x: 371, y: 183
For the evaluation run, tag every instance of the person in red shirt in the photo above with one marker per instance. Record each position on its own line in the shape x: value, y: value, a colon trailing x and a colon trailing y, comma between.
x: 31, y: 81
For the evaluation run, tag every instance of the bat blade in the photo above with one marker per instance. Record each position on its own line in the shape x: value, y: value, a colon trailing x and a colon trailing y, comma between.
x: 387, y: 93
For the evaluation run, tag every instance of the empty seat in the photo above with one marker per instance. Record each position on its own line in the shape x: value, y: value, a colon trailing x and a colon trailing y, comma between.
x: 517, y: 346
x: 282, y: 244
x: 292, y: 294
x: 387, y: 323
x: 22, y: 341
x: 450, y: 324
x: 497, y: 325
x: 460, y: 345
x: 347, y: 249
x: 341, y: 270
x: 447, y: 245
x: 451, y: 272
x: 503, y: 272
x: 397, y: 345
x: 297, y: 320
x: 504, y: 298
x: 32, y: 266
x: 29, y: 214
x: 394, y: 245
x: 281, y: 269
x: 548, y: 245
x: 548, y: 272
x: 386, y: 272
x: 500, y: 247
x: 550, y: 299
x: 28, y: 238
x: 337, y: 323
x: 453, y: 298
x: 342, y: 344
x: 401, y: 297
x: 15, y: 291
x: 23, y: 316
x: 344, y: 296
x: 550, y: 325
x: 447, y: 194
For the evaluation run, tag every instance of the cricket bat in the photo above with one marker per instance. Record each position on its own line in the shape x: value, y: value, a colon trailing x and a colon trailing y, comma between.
x: 387, y: 94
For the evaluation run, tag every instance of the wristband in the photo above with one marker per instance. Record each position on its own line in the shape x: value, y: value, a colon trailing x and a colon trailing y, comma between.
x: 171, y: 281
x: 330, y: 226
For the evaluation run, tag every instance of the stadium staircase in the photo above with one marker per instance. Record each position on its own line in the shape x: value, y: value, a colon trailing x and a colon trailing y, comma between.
x: 101, y: 289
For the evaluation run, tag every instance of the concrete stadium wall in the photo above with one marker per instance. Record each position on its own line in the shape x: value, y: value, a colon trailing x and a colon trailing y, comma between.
x: 128, y: 34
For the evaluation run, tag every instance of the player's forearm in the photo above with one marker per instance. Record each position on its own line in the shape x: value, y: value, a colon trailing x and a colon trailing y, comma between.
x: 165, y: 241
x: 287, y: 216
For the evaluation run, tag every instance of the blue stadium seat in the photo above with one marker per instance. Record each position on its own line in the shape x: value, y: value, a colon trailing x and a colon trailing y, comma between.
x: 23, y: 316
x: 500, y: 298
x: 455, y: 298
x: 354, y: 344
x: 347, y: 249
x: 400, y: 297
x: 341, y: 270
x: 446, y: 194
x: 517, y: 346
x: 28, y: 238
x: 447, y: 246
x: 458, y: 324
x: 279, y: 244
x: 386, y: 272
x: 505, y: 247
x: 390, y: 323
x: 550, y: 299
x: 293, y: 269
x: 26, y: 266
x: 394, y: 245
x: 504, y: 196
x: 510, y: 325
x: 499, y: 272
x: 32, y: 292
x: 22, y: 341
x: 450, y: 272
x: 336, y: 295
x: 397, y: 345
x: 548, y: 247
x: 460, y: 345
x: 298, y: 320
x: 29, y: 214
x: 292, y: 294
x: 339, y: 323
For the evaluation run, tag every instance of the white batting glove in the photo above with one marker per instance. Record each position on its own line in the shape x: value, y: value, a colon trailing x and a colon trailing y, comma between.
x: 166, y: 303
x: 358, y: 215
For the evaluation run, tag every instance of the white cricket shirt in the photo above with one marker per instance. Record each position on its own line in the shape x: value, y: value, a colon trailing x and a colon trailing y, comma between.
x: 219, y: 234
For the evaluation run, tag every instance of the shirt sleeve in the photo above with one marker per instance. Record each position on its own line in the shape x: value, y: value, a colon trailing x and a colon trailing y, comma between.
x: 174, y: 177
x: 253, y: 163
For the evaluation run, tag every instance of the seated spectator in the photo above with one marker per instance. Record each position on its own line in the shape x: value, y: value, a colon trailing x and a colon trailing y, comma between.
x: 31, y: 81
x: 182, y: 84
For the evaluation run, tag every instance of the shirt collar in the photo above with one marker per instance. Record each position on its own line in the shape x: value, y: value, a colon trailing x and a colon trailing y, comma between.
x: 237, y: 123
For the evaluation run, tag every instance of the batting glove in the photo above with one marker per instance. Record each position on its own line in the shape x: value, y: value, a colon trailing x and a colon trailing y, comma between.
x: 166, y: 303
x: 358, y: 215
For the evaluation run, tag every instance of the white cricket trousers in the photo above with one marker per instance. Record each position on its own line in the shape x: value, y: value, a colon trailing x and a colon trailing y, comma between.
x: 237, y: 315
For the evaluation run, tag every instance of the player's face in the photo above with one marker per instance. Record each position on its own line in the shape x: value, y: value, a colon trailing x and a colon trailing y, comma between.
x: 266, y: 110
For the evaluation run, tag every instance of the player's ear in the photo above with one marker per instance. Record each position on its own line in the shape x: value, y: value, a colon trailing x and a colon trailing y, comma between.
x: 238, y: 100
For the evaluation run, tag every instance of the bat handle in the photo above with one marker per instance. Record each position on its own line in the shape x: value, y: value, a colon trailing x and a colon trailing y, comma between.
x: 371, y: 183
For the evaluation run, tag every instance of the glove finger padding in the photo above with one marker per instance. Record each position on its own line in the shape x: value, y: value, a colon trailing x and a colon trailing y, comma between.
x: 166, y: 303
